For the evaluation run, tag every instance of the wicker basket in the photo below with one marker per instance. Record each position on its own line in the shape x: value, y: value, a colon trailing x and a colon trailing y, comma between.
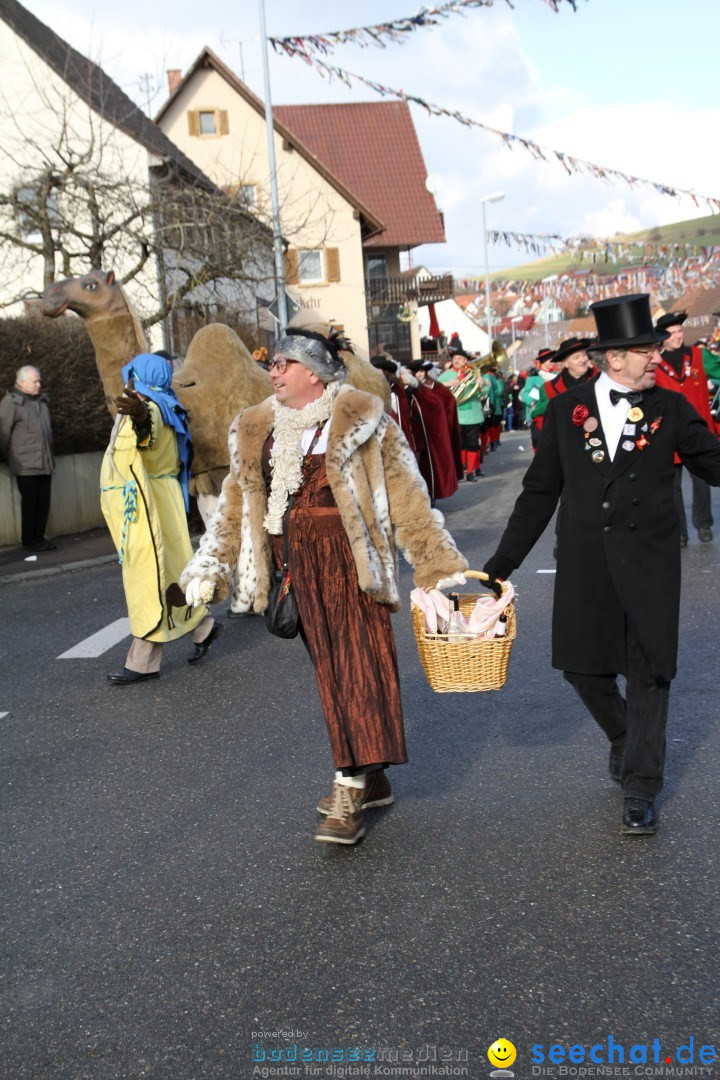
x: 465, y: 667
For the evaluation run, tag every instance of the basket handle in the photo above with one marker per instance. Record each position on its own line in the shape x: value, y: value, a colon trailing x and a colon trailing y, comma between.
x: 498, y: 587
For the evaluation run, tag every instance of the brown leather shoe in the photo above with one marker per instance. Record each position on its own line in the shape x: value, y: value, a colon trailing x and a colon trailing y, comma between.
x: 344, y: 823
x: 377, y: 792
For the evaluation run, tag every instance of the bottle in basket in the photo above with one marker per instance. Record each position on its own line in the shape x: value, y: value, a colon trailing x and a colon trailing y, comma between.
x: 457, y: 626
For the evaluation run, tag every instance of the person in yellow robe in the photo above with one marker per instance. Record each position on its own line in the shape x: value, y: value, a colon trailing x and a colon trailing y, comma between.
x: 144, y: 498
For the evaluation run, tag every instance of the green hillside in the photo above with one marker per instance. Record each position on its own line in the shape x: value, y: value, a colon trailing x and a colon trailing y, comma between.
x: 704, y: 231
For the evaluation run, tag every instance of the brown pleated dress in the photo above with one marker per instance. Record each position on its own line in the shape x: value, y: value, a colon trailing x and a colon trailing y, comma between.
x: 348, y: 634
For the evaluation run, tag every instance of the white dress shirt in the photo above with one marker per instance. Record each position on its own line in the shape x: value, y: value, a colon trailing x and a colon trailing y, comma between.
x: 309, y: 434
x: 614, y: 418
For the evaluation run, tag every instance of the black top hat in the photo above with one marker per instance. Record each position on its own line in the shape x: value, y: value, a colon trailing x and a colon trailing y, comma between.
x: 571, y: 345
x: 420, y: 365
x: 625, y: 321
x: 545, y: 354
x: 673, y: 318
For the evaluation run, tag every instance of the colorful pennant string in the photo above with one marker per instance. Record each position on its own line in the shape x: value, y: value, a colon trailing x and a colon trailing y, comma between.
x: 395, y: 32
x: 572, y: 165
x: 593, y: 247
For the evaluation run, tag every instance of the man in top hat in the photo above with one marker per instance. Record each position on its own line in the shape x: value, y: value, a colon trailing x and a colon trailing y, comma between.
x: 608, y: 445
x: 532, y: 390
x: 681, y: 369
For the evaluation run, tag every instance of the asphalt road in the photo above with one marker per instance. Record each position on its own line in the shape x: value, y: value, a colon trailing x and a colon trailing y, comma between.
x: 165, y: 903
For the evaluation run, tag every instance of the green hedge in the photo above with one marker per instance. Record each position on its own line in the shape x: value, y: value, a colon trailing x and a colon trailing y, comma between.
x: 62, y: 350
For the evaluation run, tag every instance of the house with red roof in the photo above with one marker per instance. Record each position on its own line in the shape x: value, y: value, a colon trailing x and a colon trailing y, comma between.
x: 352, y: 194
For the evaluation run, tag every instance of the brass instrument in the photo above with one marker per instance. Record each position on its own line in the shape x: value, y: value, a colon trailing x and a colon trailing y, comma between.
x: 466, y: 387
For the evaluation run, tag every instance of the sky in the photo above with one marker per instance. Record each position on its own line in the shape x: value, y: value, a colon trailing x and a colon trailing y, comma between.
x: 628, y: 84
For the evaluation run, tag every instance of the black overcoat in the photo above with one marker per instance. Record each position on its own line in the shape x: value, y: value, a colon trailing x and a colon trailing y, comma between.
x: 619, y: 534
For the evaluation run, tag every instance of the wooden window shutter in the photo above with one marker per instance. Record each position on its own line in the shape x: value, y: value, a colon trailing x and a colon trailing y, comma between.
x: 332, y: 256
x: 193, y: 121
x: 224, y: 129
x: 292, y: 267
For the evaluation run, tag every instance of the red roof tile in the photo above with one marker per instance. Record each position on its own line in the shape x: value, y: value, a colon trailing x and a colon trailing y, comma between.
x: 373, y: 148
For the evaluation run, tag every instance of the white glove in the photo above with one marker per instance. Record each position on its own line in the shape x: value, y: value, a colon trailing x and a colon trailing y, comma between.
x: 199, y: 591
x: 454, y: 579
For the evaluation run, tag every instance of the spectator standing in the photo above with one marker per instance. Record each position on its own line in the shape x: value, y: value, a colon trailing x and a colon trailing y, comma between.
x: 26, y: 442
x: 681, y: 369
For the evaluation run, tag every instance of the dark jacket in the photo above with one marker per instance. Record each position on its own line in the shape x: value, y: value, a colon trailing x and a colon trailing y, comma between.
x: 619, y: 535
x: 26, y: 433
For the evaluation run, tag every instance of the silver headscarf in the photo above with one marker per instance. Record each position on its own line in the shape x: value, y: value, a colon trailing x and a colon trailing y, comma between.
x: 314, y: 351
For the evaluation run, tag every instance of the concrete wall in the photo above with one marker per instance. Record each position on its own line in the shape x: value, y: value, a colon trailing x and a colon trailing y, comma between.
x: 75, y: 501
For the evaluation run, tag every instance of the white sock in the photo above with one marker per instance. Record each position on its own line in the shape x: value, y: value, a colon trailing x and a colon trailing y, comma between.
x: 350, y: 781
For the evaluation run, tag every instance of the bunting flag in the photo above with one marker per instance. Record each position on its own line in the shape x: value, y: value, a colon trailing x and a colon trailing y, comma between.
x: 583, y: 247
x: 572, y: 165
x: 395, y: 32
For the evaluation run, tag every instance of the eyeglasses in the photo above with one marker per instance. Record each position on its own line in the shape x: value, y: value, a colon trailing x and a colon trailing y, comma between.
x: 649, y: 351
x: 281, y: 363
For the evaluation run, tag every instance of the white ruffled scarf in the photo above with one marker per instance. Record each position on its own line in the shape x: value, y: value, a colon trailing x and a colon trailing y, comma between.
x: 286, y: 456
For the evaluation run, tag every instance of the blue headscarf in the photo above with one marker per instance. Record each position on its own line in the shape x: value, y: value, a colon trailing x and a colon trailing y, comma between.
x: 152, y: 376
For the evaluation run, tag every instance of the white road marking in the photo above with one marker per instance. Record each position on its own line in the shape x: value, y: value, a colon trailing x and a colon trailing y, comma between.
x: 99, y: 643
x: 545, y: 571
x: 4, y: 714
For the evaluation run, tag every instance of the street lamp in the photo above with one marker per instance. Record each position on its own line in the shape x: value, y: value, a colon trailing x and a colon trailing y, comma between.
x: 513, y: 320
x: 546, y: 281
x: 497, y: 197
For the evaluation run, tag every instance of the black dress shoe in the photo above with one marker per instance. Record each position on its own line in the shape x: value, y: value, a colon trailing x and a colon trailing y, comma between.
x: 125, y: 677
x: 471, y: 478
x: 201, y: 647
x: 615, y: 764
x: 639, y: 818
x: 705, y: 534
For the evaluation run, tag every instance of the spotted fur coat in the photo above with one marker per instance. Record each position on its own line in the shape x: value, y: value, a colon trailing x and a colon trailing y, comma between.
x: 381, y: 496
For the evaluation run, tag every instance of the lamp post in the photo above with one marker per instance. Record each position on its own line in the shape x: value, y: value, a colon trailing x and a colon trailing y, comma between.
x: 513, y: 320
x: 496, y: 197
x: 546, y: 281
x: 277, y: 233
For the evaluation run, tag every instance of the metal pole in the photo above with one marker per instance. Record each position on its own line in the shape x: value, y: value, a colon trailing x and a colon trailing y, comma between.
x: 277, y: 235
x: 488, y: 313
x: 547, y: 339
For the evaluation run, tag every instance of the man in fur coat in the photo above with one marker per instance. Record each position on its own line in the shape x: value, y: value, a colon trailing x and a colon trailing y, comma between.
x: 321, y: 472
x: 608, y: 445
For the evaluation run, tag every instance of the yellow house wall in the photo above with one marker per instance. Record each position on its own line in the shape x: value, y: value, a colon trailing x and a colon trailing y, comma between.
x: 313, y: 213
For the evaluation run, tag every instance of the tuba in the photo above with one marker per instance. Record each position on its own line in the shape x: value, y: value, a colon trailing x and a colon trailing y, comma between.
x: 466, y: 387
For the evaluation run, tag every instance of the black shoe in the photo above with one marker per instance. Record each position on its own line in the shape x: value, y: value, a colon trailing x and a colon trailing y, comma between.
x: 471, y: 478
x: 125, y: 677
x: 705, y: 534
x: 40, y: 545
x: 201, y: 647
x: 615, y: 764
x: 639, y: 818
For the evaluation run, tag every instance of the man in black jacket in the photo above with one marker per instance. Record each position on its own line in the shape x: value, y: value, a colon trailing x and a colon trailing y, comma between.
x: 26, y: 442
x: 608, y: 446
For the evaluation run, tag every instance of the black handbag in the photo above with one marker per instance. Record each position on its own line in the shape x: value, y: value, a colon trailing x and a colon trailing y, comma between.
x: 281, y: 614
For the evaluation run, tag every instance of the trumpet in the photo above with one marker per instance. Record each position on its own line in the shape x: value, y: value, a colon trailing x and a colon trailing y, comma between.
x: 467, y: 387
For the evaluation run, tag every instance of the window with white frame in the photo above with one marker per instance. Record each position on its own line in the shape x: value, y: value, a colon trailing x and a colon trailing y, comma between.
x: 310, y: 266
x: 248, y: 196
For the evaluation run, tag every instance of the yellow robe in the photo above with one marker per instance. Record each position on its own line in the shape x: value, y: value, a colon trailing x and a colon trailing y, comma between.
x: 142, y: 501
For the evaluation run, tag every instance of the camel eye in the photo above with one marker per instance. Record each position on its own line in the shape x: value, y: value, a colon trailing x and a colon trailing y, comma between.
x: 90, y: 285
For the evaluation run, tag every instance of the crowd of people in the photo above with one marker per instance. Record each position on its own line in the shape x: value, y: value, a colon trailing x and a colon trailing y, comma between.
x: 326, y: 484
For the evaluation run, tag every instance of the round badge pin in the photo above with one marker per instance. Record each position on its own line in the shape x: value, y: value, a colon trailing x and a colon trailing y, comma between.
x: 598, y: 456
x: 627, y: 445
x: 596, y: 442
x: 635, y: 414
x: 590, y: 424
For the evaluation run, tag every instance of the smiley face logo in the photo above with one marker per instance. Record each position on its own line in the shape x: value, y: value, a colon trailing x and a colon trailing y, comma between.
x: 502, y: 1054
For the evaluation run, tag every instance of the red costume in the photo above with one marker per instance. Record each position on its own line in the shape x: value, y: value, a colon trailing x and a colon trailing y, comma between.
x: 433, y: 445
x: 691, y: 382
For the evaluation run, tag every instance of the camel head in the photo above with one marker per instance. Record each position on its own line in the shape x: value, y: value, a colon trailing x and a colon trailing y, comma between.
x: 96, y: 295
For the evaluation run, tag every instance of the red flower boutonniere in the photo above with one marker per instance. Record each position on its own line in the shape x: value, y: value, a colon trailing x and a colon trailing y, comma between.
x: 580, y: 415
x: 642, y: 442
x: 655, y: 425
